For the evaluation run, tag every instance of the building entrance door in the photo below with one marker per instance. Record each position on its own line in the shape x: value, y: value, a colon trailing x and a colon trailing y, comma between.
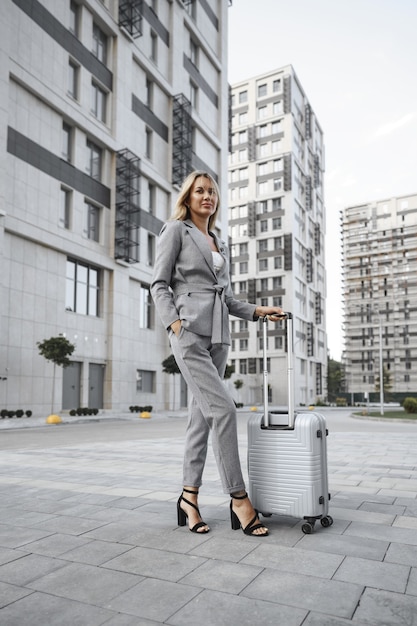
x: 95, y: 386
x: 71, y: 386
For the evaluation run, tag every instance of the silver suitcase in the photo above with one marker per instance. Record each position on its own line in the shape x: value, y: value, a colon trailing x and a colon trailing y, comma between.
x: 287, y: 455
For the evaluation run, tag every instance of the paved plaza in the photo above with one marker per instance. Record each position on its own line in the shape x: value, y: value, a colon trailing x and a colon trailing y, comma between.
x: 88, y: 533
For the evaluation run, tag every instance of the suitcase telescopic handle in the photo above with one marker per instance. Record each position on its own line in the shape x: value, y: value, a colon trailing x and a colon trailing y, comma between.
x: 290, y: 370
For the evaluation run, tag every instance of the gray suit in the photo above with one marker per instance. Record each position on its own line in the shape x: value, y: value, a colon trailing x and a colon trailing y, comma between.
x: 185, y: 286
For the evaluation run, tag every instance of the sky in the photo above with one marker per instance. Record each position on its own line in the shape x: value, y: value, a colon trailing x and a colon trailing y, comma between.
x: 357, y: 63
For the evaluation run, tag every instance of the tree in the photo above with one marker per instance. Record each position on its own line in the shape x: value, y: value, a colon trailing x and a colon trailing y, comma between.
x: 335, y: 379
x: 230, y: 369
x: 58, y: 350
x: 238, y: 383
x: 387, y: 380
x: 169, y: 366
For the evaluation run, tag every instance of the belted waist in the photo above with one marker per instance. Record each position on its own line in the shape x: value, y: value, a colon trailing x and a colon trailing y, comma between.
x: 218, y: 320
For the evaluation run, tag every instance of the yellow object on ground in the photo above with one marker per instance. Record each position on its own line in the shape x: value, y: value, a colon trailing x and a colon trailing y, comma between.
x: 254, y: 408
x: 53, y: 419
x: 145, y: 415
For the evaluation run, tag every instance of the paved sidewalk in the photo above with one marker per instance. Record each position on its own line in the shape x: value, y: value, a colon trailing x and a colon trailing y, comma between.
x: 88, y: 536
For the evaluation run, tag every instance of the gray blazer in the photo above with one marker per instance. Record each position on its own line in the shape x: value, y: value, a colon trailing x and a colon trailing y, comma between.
x: 185, y: 285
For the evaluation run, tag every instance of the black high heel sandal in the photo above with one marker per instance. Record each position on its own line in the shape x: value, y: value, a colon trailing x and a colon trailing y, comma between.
x: 182, y: 515
x: 251, y: 527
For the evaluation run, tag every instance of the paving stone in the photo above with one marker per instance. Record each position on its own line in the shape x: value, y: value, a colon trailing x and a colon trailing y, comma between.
x: 412, y: 583
x: 7, y: 555
x: 382, y: 533
x: 326, y: 596
x: 388, y: 509
x: 56, y: 544
x: 71, y: 525
x: 85, y: 583
x: 222, y: 576
x: 11, y: 593
x: 319, y: 619
x: 386, y: 608
x: 154, y: 599
x: 155, y: 563
x: 38, y: 609
x: 130, y: 620
x: 294, y: 560
x: 29, y: 568
x: 402, y: 553
x: 373, y: 574
x: 96, y: 552
x: 352, y: 546
x: 212, y: 608
x: 10, y: 538
x: 222, y: 548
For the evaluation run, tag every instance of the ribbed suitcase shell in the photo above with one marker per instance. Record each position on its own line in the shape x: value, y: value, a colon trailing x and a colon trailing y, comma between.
x: 287, y: 456
x: 288, y: 467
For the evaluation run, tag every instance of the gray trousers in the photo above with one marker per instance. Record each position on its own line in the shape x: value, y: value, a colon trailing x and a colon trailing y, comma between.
x: 211, y: 409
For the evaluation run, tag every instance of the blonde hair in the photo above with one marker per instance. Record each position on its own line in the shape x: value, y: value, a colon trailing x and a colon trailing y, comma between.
x: 181, y: 209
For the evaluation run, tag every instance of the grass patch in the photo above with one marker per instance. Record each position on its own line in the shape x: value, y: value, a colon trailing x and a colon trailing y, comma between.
x: 400, y: 414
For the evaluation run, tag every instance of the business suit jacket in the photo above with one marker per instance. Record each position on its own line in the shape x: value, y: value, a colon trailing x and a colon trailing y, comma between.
x: 185, y: 285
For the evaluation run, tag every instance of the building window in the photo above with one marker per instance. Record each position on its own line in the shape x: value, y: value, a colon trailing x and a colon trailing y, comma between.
x: 243, y: 326
x: 262, y: 113
x: 82, y: 289
x: 277, y: 301
x: 92, y: 229
x: 243, y: 366
x: 243, y: 286
x: 276, y: 146
x: 154, y: 47
x: 262, y: 169
x: 145, y: 307
x: 264, y: 226
x: 74, y: 18
x: 193, y: 52
x: 148, y: 143
x: 276, y: 85
x: 263, y: 150
x: 276, y: 127
x: 263, y: 245
x: 277, y: 108
x: 73, y: 72
x: 262, y: 130
x: 277, y: 184
x: 243, y: 344
x: 243, y: 248
x: 276, y: 223
x: 145, y: 381
x: 277, y: 243
x: 151, y: 198
x: 264, y: 284
x: 243, y: 118
x: 99, y: 102
x: 243, y: 267
x: 149, y: 93
x: 277, y: 282
x: 94, y: 160
x: 263, y: 188
x: 193, y: 95
x: 277, y: 262
x: 262, y: 90
x: 263, y: 265
x: 151, y: 250
x: 99, y: 44
x: 65, y: 208
x: 66, y: 142
x: 243, y: 136
x: 276, y: 204
x: 278, y: 165
x: 243, y: 97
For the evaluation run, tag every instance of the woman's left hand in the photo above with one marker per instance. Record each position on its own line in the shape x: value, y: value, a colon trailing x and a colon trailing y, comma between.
x: 274, y: 313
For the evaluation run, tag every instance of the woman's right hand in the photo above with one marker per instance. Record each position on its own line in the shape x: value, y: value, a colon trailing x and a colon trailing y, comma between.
x: 176, y: 327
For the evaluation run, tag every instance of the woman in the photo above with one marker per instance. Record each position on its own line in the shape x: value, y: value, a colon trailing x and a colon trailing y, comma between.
x: 192, y: 292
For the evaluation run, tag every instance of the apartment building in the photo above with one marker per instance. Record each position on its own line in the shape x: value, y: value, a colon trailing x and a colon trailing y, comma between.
x: 277, y: 227
x: 379, y: 242
x: 105, y: 106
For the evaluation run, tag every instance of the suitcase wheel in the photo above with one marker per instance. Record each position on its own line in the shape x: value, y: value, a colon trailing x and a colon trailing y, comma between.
x: 307, y: 528
x: 326, y: 521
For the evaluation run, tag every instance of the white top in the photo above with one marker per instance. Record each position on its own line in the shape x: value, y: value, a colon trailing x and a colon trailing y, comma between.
x: 218, y: 261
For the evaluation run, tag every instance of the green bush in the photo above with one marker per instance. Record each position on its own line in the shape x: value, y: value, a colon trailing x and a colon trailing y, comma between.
x: 341, y: 402
x: 19, y: 413
x: 410, y: 405
x: 28, y: 413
